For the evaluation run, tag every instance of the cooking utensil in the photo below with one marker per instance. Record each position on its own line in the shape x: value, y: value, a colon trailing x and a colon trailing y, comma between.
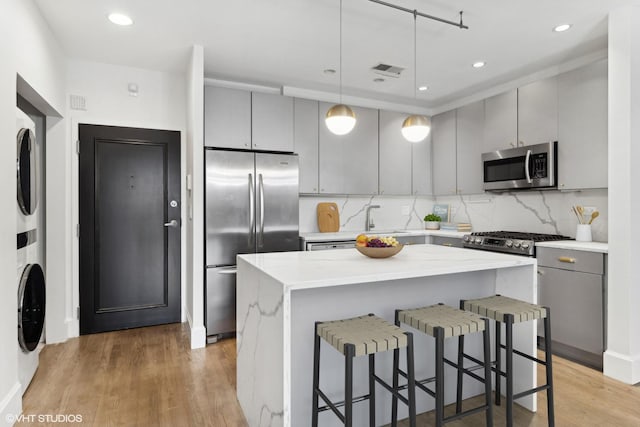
x: 580, y: 210
x: 328, y: 217
x: 575, y: 212
x: 594, y: 215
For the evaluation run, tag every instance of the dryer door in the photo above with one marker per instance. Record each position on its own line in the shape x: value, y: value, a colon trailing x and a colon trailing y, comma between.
x: 27, y: 172
x: 31, y: 307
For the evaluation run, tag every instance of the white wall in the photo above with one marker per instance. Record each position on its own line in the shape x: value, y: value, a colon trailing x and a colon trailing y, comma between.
x: 28, y: 48
x: 622, y: 358
x: 195, y: 200
x: 160, y: 104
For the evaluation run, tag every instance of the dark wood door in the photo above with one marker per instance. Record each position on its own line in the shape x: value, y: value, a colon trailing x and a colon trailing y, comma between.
x: 129, y: 194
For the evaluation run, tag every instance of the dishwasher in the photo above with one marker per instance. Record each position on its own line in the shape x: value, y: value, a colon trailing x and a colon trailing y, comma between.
x: 323, y: 246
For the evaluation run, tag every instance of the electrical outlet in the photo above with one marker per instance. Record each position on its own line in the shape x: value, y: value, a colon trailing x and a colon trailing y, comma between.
x: 406, y: 210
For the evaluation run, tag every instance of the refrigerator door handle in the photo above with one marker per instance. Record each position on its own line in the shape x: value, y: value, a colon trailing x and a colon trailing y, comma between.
x: 233, y: 270
x: 261, y: 195
x: 252, y: 209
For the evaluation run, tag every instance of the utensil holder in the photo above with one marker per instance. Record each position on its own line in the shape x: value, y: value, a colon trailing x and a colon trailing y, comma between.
x: 583, y: 233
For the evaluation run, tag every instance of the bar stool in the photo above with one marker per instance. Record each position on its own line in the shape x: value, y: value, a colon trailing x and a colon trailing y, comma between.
x: 360, y: 336
x: 509, y: 311
x: 442, y: 321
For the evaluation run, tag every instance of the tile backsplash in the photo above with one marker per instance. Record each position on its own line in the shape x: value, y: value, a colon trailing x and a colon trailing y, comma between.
x: 533, y: 211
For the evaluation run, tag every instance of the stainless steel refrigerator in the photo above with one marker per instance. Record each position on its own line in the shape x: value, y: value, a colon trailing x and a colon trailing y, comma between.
x: 251, y: 205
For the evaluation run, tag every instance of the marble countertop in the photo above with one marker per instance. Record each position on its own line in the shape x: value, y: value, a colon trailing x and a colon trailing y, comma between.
x: 602, y: 247
x: 351, y: 235
x: 317, y: 269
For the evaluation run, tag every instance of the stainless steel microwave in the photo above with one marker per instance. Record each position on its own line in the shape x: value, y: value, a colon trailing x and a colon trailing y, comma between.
x: 531, y: 166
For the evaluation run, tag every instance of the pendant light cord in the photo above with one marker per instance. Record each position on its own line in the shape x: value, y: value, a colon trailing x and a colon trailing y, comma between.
x: 415, y: 55
x: 340, y: 31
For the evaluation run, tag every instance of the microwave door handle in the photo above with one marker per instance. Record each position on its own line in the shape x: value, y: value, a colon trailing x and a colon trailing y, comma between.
x: 526, y: 167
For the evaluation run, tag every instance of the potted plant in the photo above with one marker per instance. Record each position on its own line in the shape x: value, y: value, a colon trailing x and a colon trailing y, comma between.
x: 432, y: 222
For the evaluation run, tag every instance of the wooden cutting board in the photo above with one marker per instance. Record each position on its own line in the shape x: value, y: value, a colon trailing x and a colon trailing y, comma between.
x: 328, y: 217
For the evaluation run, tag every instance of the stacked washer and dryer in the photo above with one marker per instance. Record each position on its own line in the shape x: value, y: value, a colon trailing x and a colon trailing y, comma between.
x: 30, y: 288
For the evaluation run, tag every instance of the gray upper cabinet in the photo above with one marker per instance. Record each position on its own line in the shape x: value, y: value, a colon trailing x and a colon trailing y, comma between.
x: 469, y: 146
x: 443, y: 128
x: 421, y: 183
x: 501, y: 121
x: 271, y: 122
x: 227, y: 118
x: 349, y: 163
x: 305, y: 131
x: 538, y: 112
x: 583, y: 130
x: 395, y: 155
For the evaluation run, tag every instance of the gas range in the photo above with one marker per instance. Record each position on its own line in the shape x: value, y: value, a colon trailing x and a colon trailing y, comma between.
x: 511, y: 242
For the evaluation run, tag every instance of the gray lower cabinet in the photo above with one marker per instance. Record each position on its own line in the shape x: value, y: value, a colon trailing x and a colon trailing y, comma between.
x: 501, y: 121
x: 443, y: 128
x: 395, y: 155
x: 583, y: 127
x: 271, y: 122
x: 538, y: 112
x: 572, y: 285
x: 455, y: 242
x: 305, y: 131
x: 227, y: 118
x: 349, y: 163
x: 469, y: 146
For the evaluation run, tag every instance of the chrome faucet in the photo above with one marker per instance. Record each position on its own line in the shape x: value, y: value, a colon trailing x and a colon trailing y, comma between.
x: 369, y: 221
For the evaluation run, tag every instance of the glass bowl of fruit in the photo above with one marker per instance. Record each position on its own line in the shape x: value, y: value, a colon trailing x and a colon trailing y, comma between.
x: 377, y: 247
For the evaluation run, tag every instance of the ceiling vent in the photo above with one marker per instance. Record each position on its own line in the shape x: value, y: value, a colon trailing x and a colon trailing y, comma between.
x: 388, y: 70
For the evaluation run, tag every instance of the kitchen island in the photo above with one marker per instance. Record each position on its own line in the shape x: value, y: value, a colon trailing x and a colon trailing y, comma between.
x: 281, y: 295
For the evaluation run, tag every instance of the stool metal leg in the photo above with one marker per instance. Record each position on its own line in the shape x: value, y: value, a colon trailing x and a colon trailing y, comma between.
x: 411, y: 378
x: 487, y: 373
x: 316, y: 375
x: 396, y: 366
x: 439, y: 334
x: 460, y: 373
x: 508, y: 318
x: 372, y: 390
x: 350, y: 352
x: 498, y: 339
x: 549, y: 369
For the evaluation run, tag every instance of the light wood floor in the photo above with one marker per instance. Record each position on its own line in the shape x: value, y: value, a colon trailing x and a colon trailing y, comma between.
x: 150, y: 377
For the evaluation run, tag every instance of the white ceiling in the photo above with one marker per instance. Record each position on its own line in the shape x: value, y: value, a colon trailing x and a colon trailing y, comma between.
x: 291, y: 42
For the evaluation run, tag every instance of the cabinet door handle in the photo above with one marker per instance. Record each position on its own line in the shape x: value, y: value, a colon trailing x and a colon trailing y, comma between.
x: 447, y: 244
x: 567, y: 259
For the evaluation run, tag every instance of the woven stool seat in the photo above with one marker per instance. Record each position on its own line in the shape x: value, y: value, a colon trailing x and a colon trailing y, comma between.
x: 495, y: 307
x: 369, y: 334
x: 455, y: 322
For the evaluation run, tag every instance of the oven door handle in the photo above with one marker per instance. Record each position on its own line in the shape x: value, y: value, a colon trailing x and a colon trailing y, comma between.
x: 526, y: 167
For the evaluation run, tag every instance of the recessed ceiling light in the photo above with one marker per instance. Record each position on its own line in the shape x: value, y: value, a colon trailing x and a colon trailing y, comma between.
x: 561, y: 28
x: 479, y: 64
x: 423, y: 88
x: 120, y: 19
x: 329, y: 71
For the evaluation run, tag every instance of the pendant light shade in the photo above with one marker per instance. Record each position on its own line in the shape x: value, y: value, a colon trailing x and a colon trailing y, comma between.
x: 340, y: 119
x: 416, y: 128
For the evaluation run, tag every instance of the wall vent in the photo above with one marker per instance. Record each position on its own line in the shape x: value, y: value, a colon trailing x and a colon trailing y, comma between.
x: 78, y: 102
x: 388, y: 70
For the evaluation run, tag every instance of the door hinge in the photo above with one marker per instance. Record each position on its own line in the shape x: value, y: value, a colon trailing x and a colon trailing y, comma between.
x: 77, y: 146
x: 78, y: 313
x: 78, y: 230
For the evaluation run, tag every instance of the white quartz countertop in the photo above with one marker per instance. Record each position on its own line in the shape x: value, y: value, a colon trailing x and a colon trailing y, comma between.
x: 317, y: 269
x: 351, y: 235
x: 602, y: 247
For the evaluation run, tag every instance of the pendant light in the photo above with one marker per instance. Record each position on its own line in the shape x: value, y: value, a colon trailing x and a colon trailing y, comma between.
x: 415, y: 128
x: 340, y: 118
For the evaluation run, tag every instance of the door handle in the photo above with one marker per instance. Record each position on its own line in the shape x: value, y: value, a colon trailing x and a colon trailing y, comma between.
x: 526, y: 167
x: 173, y: 223
x: 228, y: 271
x: 261, y: 190
x: 252, y: 209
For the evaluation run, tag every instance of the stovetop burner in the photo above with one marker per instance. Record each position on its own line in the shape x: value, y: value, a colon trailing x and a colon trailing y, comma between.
x: 536, y: 237
x: 512, y: 242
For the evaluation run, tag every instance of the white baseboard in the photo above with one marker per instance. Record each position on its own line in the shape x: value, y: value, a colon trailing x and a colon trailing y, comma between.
x: 198, y: 334
x: 622, y: 367
x: 73, y: 327
x: 11, y: 405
